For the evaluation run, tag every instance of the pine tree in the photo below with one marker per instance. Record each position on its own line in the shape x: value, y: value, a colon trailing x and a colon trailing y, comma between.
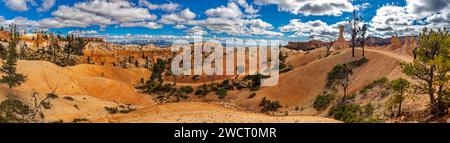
x: 10, y: 77
x: 432, y: 67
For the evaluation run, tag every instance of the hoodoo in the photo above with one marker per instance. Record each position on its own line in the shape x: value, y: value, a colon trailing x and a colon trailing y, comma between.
x: 341, y: 43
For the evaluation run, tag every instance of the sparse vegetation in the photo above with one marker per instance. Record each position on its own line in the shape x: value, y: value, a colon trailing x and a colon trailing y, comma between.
x: 400, y: 86
x: 120, y: 109
x: 10, y: 77
x: 202, y: 90
x: 269, y: 106
x: 340, y: 76
x: 323, y: 101
x: 431, y: 68
x: 346, y: 112
x: 187, y: 89
x: 221, y: 92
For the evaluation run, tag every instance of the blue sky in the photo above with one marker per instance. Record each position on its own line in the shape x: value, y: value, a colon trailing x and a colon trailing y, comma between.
x: 247, y: 19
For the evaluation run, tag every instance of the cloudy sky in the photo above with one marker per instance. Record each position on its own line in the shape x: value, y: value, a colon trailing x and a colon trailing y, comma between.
x: 288, y: 20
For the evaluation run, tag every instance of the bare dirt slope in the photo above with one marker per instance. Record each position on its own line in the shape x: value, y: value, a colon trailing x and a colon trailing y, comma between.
x: 106, y: 83
x: 300, y: 86
x: 197, y: 112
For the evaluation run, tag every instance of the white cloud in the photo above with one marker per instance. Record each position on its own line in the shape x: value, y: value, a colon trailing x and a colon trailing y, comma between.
x: 232, y: 10
x: 100, y: 13
x: 46, y: 5
x: 196, y: 30
x: 317, y: 30
x: 230, y: 20
x: 149, y: 25
x: 120, y: 10
x: 179, y: 26
x: 311, y: 7
x: 18, y: 5
x: 393, y: 20
x: 169, y: 7
x: 178, y: 18
x: 82, y: 32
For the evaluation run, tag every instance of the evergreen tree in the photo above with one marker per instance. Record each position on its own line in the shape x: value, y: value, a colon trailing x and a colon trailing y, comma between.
x: 10, y: 77
x: 432, y: 66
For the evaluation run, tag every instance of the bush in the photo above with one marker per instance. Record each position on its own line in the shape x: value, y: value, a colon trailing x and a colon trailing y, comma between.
x: 346, y: 112
x: 359, y: 62
x: 187, y: 89
x: 378, y: 82
x: 13, y: 111
x: 202, y: 90
x: 269, y: 106
x: 221, y: 92
x: 323, y: 101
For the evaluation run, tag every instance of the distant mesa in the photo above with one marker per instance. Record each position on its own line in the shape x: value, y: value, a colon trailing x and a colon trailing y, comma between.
x: 340, y: 43
x: 306, y: 46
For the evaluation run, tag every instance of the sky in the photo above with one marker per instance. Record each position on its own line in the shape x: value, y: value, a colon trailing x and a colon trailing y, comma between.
x: 287, y: 20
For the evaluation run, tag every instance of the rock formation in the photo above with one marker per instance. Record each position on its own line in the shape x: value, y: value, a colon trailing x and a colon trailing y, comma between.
x: 341, y: 43
x: 395, y: 43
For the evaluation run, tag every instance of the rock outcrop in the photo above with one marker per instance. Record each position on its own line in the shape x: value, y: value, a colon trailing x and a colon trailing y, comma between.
x: 340, y: 43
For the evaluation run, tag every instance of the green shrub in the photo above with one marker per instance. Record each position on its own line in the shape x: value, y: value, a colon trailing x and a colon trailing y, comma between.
x: 202, y: 90
x: 13, y: 111
x: 187, y: 89
x: 323, y: 101
x: 379, y: 82
x: 268, y: 105
x: 359, y: 62
x: 346, y: 112
x: 221, y: 92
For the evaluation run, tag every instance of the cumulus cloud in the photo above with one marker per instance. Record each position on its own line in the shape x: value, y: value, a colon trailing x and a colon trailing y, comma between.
x: 410, y: 19
x: 231, y: 20
x: 18, y: 5
x: 169, y: 7
x: 100, y: 13
x: 311, y: 7
x: 120, y: 10
x: 24, y: 5
x: 82, y: 32
x: 179, y: 26
x: 46, y: 5
x: 149, y: 25
x: 394, y: 20
x: 316, y: 30
x: 232, y: 10
x: 178, y: 18
x: 196, y: 30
